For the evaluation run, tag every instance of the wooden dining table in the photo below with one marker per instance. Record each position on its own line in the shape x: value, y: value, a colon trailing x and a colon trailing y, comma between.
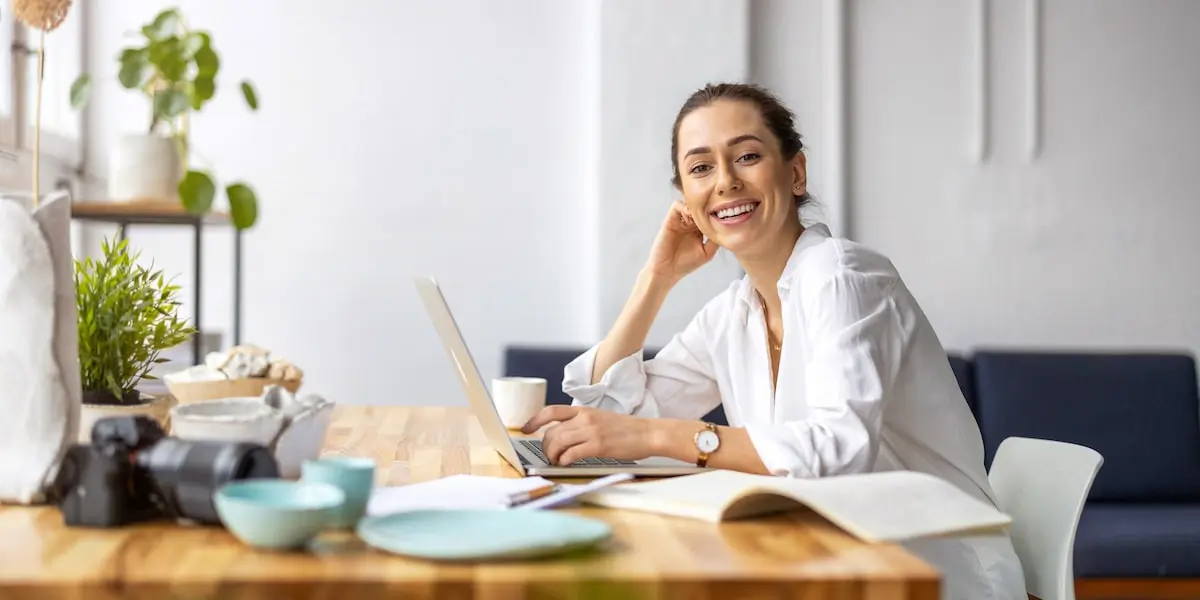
x: 796, y: 554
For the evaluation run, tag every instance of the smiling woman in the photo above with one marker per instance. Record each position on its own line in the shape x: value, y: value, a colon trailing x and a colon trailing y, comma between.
x: 822, y: 358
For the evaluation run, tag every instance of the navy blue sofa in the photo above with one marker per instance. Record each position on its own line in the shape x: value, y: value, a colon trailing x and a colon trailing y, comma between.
x: 1141, y: 411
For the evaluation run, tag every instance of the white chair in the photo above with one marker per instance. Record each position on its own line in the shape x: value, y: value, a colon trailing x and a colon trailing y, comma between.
x: 1043, y: 485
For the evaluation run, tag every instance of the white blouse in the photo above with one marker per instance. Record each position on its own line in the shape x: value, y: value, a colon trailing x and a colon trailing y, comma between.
x: 864, y: 385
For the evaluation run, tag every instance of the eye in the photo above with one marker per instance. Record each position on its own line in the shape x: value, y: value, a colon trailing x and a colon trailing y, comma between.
x: 699, y: 169
x: 749, y: 157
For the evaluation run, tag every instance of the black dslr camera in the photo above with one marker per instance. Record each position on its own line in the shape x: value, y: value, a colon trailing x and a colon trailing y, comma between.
x: 132, y: 471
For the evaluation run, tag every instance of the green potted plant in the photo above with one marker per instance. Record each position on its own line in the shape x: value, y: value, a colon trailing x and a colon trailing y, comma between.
x: 175, y: 68
x: 127, y: 316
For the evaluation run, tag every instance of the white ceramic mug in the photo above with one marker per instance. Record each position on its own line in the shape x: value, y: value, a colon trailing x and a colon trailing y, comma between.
x: 517, y: 399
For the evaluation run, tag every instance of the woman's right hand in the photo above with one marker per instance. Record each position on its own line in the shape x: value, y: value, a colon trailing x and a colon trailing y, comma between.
x: 680, y: 247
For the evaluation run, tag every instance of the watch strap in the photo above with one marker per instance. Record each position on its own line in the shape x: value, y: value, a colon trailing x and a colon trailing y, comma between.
x: 702, y: 459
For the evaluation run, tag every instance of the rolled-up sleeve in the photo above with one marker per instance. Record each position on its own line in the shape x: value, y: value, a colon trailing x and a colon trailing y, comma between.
x: 677, y: 383
x: 854, y: 338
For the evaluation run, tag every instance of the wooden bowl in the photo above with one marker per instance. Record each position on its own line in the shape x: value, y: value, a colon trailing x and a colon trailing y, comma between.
x: 186, y: 392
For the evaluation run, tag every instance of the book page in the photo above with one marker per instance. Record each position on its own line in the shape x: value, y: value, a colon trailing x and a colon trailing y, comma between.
x: 697, y: 496
x: 886, y: 506
x: 452, y: 492
x: 894, y: 505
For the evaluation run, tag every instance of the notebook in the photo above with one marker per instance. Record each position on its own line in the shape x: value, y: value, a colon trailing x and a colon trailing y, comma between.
x: 888, y: 506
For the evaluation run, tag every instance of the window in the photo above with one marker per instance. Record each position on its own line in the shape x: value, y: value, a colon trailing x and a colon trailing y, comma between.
x: 62, y: 126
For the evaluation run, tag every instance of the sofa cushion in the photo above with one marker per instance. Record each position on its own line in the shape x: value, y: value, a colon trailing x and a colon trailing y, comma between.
x: 548, y: 363
x: 1141, y: 412
x: 1138, y: 540
x: 964, y: 372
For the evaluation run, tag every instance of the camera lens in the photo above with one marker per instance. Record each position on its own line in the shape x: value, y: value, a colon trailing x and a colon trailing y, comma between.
x: 184, y: 474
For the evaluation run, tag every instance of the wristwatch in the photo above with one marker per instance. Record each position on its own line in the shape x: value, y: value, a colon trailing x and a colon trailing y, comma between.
x: 707, y: 442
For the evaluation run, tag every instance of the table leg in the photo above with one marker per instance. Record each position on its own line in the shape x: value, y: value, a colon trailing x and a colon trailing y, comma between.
x: 198, y: 338
x: 237, y: 286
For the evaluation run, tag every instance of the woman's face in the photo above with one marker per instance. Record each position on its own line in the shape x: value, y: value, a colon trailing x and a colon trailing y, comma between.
x: 736, y: 184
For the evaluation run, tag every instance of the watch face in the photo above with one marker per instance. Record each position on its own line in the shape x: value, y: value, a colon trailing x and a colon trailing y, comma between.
x: 707, y: 441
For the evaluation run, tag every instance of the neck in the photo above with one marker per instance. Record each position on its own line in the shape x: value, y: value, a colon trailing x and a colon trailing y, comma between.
x: 764, y: 266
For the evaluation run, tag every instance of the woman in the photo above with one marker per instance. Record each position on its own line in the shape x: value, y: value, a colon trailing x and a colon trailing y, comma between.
x: 823, y: 360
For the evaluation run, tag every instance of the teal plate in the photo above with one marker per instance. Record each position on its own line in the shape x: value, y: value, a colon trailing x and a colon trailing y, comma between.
x: 488, y: 534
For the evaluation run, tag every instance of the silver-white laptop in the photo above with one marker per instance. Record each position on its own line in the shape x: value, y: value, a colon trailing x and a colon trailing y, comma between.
x: 524, y: 454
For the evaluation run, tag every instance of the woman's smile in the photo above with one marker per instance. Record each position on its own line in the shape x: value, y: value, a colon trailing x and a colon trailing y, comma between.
x: 734, y: 212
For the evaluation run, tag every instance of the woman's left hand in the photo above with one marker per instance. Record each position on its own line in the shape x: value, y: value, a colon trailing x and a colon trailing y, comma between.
x: 582, y: 432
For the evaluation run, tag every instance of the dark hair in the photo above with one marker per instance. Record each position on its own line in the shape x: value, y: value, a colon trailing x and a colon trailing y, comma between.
x: 779, y: 120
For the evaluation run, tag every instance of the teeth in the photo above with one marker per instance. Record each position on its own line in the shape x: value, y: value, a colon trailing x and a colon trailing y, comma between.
x: 734, y: 211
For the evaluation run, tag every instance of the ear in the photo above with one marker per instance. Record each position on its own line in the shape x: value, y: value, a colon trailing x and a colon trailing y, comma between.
x: 799, y: 174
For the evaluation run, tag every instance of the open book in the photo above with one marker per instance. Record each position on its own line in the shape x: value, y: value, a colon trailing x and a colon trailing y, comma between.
x: 888, y: 506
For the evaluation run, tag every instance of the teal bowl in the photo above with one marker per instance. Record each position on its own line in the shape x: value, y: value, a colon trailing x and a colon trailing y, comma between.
x: 277, y: 514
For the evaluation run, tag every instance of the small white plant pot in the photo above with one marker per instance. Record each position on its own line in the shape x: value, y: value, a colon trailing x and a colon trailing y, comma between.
x: 145, y: 167
x: 155, y: 407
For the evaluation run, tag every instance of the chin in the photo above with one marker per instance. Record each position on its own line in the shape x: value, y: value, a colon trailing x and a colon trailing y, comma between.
x: 737, y: 243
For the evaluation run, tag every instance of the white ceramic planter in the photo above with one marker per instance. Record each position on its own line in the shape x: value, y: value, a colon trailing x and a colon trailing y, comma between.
x: 157, y: 408
x: 40, y: 392
x: 145, y: 167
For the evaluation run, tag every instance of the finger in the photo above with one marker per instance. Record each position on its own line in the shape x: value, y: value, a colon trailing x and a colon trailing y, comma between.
x: 585, y: 449
x: 560, y: 440
x: 555, y: 412
x: 680, y: 217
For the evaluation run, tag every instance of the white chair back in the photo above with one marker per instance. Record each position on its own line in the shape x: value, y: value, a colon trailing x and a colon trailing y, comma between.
x: 1042, y: 485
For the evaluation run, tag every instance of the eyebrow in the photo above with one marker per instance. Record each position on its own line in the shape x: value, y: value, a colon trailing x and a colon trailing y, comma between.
x: 746, y: 137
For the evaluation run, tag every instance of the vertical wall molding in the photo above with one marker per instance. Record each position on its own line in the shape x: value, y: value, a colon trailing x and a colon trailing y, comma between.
x: 836, y: 74
x: 591, y: 129
x: 978, y: 148
x: 1033, y: 82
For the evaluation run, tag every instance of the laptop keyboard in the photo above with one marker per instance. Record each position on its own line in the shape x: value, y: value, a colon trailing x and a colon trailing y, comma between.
x: 535, y: 446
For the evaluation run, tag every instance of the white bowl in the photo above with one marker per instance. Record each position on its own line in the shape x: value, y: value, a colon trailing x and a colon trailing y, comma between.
x: 227, y: 420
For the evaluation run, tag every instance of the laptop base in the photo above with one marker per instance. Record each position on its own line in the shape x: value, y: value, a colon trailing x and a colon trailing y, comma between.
x: 646, y: 467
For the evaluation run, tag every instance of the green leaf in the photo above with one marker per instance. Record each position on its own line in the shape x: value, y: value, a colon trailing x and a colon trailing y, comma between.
x: 202, y: 90
x: 243, y: 205
x: 193, y: 43
x: 170, y: 103
x: 196, y: 191
x: 207, y: 62
x: 168, y: 55
x: 135, y: 69
x: 164, y: 25
x: 250, y: 94
x: 81, y: 90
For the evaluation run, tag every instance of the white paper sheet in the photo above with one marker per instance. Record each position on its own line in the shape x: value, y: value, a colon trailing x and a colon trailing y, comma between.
x: 453, y: 492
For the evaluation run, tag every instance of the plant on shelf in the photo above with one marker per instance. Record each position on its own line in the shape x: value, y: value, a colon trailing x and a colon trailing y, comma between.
x: 128, y: 315
x: 176, y: 69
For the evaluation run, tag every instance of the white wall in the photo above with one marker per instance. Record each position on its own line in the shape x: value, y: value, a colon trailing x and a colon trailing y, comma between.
x: 394, y: 138
x: 1085, y: 243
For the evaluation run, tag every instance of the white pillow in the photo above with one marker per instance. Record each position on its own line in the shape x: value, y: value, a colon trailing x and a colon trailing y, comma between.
x: 40, y: 389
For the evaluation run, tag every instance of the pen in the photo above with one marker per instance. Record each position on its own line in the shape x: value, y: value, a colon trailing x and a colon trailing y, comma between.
x: 534, y: 494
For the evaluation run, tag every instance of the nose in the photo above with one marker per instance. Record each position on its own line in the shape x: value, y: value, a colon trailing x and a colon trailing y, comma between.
x: 727, y: 181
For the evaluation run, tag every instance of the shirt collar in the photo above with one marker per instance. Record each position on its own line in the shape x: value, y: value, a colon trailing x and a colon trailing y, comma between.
x: 811, y: 236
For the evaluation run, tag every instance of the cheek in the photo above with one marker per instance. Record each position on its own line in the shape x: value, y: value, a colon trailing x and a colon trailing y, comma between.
x: 695, y: 197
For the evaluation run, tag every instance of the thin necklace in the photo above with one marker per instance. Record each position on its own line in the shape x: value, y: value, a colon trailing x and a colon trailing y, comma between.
x: 766, y: 322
